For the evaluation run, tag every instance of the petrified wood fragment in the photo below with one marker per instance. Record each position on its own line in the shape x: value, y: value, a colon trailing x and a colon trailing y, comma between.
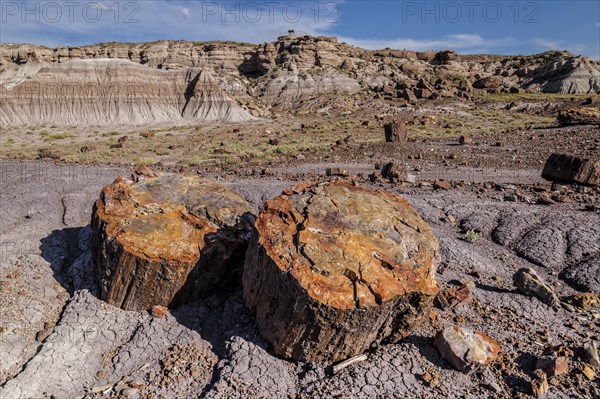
x: 166, y: 239
x: 332, y: 269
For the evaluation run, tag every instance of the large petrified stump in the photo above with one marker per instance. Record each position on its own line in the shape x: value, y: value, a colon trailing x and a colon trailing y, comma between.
x: 166, y: 239
x: 332, y: 269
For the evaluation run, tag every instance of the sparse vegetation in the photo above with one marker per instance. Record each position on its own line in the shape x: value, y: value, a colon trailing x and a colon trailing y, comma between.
x: 137, y: 161
x: 59, y: 136
x: 161, y: 151
x: 194, y: 160
x: 472, y: 236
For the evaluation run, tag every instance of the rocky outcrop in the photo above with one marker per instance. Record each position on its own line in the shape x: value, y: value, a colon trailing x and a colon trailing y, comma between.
x: 333, y: 269
x: 108, y: 92
x: 283, y: 73
x: 288, y: 88
x: 565, y: 73
x: 167, y: 239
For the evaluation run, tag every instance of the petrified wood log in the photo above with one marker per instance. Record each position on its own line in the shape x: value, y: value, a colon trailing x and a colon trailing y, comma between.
x: 396, y: 132
x: 166, y: 239
x: 570, y: 168
x: 332, y: 269
x: 579, y: 116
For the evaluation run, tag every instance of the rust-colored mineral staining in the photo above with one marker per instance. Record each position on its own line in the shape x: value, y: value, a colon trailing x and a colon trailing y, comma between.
x: 164, y: 239
x: 333, y: 268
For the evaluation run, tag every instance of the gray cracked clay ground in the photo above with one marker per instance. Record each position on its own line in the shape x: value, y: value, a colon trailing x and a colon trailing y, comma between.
x: 58, y: 340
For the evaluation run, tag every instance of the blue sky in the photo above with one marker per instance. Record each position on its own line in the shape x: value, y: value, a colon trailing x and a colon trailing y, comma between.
x: 502, y: 27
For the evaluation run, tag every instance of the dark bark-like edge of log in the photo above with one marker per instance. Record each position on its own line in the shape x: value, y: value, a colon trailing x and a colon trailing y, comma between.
x: 295, y: 327
x: 148, y: 283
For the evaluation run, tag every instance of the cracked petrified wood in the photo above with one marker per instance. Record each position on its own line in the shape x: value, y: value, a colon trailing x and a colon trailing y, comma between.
x: 166, y: 239
x: 333, y: 269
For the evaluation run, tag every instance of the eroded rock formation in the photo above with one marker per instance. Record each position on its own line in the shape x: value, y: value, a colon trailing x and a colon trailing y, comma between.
x: 108, y: 92
x: 166, y: 239
x: 283, y: 73
x: 332, y: 269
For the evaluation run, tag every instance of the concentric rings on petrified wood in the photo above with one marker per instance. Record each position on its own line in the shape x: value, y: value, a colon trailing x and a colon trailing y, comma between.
x: 167, y: 239
x: 333, y: 269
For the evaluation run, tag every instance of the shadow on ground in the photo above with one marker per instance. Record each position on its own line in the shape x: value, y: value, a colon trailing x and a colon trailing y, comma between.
x: 68, y: 252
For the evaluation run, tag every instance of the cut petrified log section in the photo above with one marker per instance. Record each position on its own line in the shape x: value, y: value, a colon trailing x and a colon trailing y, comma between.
x: 396, y: 132
x: 570, y: 168
x: 166, y: 239
x: 333, y: 268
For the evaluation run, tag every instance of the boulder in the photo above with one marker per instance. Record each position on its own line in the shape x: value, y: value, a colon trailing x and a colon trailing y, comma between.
x: 396, y: 132
x: 394, y: 172
x: 464, y: 349
x: 164, y: 239
x: 490, y: 82
x: 336, y: 172
x: 463, y: 140
x: 333, y: 269
x: 423, y: 93
x: 563, y: 167
x: 554, y: 360
x: 408, y: 95
x: 530, y: 283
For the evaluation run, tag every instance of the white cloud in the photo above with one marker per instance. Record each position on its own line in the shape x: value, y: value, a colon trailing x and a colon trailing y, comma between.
x: 163, y: 19
x: 459, y: 42
x: 548, y: 44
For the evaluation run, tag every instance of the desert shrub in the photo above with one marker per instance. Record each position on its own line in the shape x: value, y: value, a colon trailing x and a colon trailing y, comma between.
x: 161, y: 151
x: 138, y: 161
x: 472, y: 236
x: 59, y: 136
x: 194, y: 160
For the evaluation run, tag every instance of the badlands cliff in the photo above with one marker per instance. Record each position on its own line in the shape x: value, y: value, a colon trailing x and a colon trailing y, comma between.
x: 180, y: 81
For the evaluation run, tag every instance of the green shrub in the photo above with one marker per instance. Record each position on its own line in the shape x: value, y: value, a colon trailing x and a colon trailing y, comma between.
x: 137, y: 161
x: 60, y: 136
x: 194, y: 160
x: 472, y: 236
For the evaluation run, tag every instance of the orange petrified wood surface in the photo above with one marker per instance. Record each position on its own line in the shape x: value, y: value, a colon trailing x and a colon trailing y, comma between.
x: 349, y: 251
x: 151, y: 232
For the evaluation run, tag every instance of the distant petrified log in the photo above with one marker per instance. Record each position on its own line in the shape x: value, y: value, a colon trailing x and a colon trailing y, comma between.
x: 332, y: 269
x: 166, y: 239
x: 579, y: 116
x: 396, y: 132
x: 570, y: 168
